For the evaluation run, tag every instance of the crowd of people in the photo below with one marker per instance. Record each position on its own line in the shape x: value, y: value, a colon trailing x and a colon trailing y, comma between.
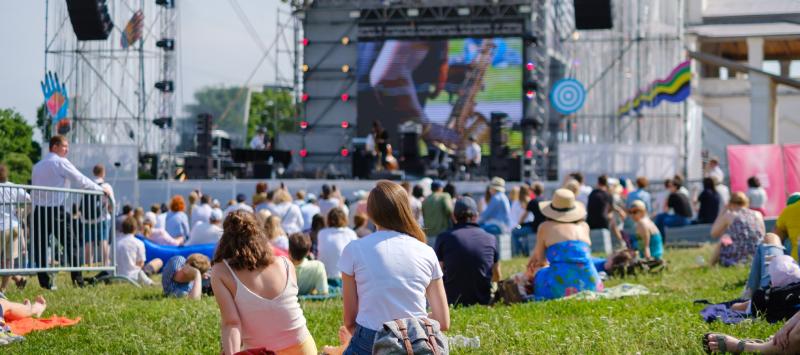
x: 397, y: 251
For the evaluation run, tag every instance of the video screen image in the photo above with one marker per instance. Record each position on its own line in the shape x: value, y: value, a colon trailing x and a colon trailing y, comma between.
x: 450, y: 87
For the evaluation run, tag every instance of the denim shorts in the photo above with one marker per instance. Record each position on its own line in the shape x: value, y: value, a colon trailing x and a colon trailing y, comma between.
x: 361, y: 343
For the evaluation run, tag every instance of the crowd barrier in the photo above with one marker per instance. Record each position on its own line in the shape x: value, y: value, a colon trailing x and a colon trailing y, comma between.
x: 45, y: 229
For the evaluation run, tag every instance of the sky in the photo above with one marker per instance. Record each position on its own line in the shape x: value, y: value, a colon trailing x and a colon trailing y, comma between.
x: 214, y: 48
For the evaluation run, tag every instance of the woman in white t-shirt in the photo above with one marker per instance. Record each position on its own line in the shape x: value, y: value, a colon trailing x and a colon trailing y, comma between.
x: 390, y: 274
x: 331, y: 242
x: 290, y: 214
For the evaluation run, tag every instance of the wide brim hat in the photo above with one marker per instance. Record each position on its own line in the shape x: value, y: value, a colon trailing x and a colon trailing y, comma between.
x: 498, y: 184
x: 563, y: 207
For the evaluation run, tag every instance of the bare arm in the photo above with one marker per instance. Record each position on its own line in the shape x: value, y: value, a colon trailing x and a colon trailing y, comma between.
x: 496, y: 273
x: 230, y: 324
x: 438, y: 302
x: 645, y: 233
x: 349, y: 302
x: 720, y: 225
x: 538, y: 259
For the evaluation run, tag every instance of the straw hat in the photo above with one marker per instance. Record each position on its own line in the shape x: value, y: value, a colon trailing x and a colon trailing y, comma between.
x: 563, y: 207
x: 498, y: 184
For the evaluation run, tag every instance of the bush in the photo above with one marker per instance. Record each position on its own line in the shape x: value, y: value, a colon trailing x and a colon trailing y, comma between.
x: 19, y: 167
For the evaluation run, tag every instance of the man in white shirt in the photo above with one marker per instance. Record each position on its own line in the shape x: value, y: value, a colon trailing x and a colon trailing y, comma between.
x: 130, y: 254
x: 201, y: 212
x: 258, y: 141
x: 207, y: 233
x: 241, y: 204
x: 49, y: 215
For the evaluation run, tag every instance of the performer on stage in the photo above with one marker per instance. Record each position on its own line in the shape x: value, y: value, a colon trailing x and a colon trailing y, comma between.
x: 472, y: 156
x: 258, y: 141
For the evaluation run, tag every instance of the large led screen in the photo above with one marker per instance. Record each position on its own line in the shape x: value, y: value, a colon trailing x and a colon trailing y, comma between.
x: 450, y: 87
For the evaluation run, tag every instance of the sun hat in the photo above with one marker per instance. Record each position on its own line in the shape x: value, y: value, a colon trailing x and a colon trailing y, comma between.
x: 563, y: 207
x: 498, y: 184
x: 793, y: 198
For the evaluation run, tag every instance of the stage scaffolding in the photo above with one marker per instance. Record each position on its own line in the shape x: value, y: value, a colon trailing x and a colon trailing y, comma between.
x: 645, y: 44
x: 113, y: 100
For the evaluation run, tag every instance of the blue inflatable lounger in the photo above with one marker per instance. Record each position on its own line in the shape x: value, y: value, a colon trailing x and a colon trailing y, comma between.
x: 165, y: 252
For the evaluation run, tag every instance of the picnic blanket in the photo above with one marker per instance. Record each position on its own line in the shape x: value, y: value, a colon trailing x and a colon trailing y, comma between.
x: 26, y: 325
x: 619, y: 291
x: 722, y: 312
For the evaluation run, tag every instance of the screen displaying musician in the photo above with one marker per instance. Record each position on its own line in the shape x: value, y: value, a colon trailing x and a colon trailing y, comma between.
x: 448, y: 86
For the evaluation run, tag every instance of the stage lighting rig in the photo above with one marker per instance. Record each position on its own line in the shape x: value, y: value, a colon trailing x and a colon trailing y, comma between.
x: 165, y: 86
x: 167, y: 44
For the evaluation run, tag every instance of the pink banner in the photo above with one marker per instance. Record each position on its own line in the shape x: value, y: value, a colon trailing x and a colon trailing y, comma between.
x: 791, y: 166
x: 765, y: 162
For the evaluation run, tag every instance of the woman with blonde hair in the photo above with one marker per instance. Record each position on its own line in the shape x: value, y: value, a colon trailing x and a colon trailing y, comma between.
x: 390, y: 274
x: 277, y: 236
x: 256, y: 293
x: 289, y: 213
x: 740, y: 230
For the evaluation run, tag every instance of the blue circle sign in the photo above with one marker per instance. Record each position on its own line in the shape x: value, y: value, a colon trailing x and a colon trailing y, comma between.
x: 567, y: 96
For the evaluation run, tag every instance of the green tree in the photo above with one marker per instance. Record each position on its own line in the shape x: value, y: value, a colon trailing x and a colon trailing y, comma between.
x: 272, y: 109
x: 17, y: 148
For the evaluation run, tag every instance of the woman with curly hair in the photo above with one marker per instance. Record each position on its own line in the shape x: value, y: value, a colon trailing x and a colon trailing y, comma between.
x: 251, y: 285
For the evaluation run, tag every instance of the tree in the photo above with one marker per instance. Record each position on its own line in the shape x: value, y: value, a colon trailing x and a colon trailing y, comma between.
x: 283, y: 111
x: 17, y: 148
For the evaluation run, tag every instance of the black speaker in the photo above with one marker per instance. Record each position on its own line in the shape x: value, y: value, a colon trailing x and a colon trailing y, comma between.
x: 498, y: 163
x: 204, y: 127
x: 362, y: 163
x: 90, y: 19
x: 262, y: 170
x: 198, y: 167
x: 593, y: 14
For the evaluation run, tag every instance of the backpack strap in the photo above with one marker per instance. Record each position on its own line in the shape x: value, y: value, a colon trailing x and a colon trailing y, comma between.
x: 406, y: 341
x: 431, y: 337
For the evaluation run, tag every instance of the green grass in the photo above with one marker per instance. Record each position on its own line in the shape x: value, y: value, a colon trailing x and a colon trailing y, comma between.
x: 124, y: 319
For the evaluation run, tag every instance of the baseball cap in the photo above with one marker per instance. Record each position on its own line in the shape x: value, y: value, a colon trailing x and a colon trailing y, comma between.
x: 241, y: 198
x: 793, y: 198
x: 437, y: 184
x: 465, y: 205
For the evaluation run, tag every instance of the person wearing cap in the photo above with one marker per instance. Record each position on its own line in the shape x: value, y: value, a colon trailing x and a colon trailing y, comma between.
x: 498, y: 210
x: 241, y: 204
x: 207, y: 233
x: 561, y: 262
x: 468, y: 256
x: 258, y: 140
x: 788, y: 224
x: 648, y: 239
x: 437, y: 210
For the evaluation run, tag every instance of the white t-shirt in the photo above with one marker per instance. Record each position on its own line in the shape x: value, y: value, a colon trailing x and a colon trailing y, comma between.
x: 325, y: 205
x: 162, y: 220
x: 473, y: 153
x: 257, y: 142
x: 583, y: 194
x: 516, y: 213
x: 392, y: 273
x: 291, y: 217
x: 205, y: 233
x: 330, y: 243
x: 129, y: 252
x: 201, y: 214
x: 238, y: 206
x: 309, y: 210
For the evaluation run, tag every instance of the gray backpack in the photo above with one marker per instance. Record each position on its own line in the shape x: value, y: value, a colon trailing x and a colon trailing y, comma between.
x: 410, y: 336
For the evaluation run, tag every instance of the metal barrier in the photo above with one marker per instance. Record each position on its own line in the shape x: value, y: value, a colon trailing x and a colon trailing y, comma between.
x: 45, y: 229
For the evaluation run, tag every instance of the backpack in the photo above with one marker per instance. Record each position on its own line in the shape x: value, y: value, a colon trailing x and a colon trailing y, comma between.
x: 777, y: 303
x: 408, y: 336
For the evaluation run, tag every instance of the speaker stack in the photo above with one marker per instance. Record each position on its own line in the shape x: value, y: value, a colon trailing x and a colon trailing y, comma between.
x: 593, y: 14
x: 90, y: 19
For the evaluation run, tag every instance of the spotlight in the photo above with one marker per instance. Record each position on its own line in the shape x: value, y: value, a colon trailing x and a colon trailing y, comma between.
x: 530, y: 94
x: 170, y: 4
x: 412, y: 12
x: 166, y: 44
x: 345, y: 68
x: 463, y: 11
x: 162, y: 122
x: 165, y: 86
x: 305, y: 41
x: 303, y: 124
x: 345, y: 124
x: 355, y: 14
x: 344, y: 152
x: 529, y: 154
x: 345, y: 40
x: 576, y: 36
x: 530, y: 66
x: 345, y: 97
x: 303, y: 152
x: 304, y: 97
x: 305, y: 68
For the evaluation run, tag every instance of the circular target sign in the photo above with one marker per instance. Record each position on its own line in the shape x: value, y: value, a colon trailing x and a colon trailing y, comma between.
x: 567, y: 96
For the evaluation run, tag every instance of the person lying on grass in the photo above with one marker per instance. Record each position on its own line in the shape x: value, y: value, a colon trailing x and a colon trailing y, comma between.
x: 256, y: 293
x: 785, y: 341
x: 13, y: 310
x: 183, y: 277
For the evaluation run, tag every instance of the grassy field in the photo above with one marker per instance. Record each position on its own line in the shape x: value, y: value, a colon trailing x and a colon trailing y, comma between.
x: 124, y: 319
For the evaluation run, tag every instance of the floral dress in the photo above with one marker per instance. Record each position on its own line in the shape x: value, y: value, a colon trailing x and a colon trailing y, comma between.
x: 571, y: 270
x: 745, y: 234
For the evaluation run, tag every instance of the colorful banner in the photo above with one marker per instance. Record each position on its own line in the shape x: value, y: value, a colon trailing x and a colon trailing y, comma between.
x: 765, y: 162
x: 133, y: 30
x: 674, y: 88
x: 791, y: 158
x: 56, y: 100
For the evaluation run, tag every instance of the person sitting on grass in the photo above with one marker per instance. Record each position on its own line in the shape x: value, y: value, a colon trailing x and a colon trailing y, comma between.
x: 183, y: 277
x: 740, y: 230
x: 130, y: 254
x: 277, y: 237
x: 468, y: 256
x: 256, y: 293
x: 331, y: 241
x: 159, y: 236
x: 759, y: 276
x: 360, y: 224
x: 311, y: 276
x: 648, y: 238
x: 788, y: 224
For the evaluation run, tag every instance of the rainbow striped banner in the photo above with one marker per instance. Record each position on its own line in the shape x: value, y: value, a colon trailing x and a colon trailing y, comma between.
x: 674, y: 88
